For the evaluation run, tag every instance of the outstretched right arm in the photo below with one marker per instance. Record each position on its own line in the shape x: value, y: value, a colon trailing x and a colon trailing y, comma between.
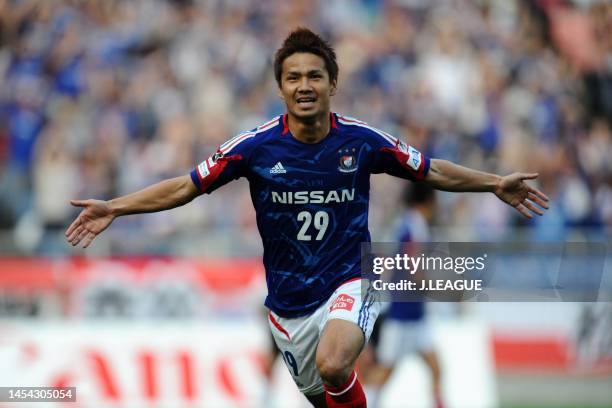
x: 225, y: 165
x: 97, y: 215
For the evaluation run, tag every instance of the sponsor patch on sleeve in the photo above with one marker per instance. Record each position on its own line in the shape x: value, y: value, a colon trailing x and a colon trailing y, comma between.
x: 203, y: 170
x: 205, y: 167
x: 414, y: 158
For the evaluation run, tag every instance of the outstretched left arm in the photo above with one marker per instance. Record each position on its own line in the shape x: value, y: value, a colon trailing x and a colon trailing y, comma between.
x: 511, y: 189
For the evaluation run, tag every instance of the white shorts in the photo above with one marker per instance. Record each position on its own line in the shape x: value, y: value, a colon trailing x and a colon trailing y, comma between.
x: 399, y: 338
x: 298, y: 338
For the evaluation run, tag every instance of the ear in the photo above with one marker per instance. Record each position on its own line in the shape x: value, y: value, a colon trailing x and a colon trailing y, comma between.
x: 279, y: 92
x: 333, y: 89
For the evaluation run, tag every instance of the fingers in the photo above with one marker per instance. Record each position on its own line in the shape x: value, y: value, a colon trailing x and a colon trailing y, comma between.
x: 528, y: 176
x: 534, y: 195
x: 523, y: 210
x: 539, y: 201
x: 74, y: 233
x: 79, y: 203
x: 77, y: 222
x: 80, y: 237
x: 89, y: 239
x: 528, y: 204
x: 533, y: 208
x: 77, y: 232
x: 73, y: 226
x: 540, y: 194
x: 77, y: 235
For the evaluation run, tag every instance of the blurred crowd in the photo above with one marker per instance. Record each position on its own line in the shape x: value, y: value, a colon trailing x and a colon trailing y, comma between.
x: 101, y: 98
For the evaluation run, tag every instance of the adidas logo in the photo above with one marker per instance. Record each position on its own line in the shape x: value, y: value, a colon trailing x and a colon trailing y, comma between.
x: 278, y: 169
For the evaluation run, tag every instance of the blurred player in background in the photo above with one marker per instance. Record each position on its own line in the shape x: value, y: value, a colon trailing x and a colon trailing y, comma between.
x: 309, y: 173
x: 403, y: 328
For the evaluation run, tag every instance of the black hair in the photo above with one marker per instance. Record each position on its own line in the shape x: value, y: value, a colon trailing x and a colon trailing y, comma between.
x: 304, y: 40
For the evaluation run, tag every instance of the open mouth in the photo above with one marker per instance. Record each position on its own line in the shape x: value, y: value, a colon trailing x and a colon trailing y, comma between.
x: 306, y: 102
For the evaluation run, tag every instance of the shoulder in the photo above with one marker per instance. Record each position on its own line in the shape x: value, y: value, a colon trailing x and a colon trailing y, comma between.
x: 362, y: 129
x: 252, y: 138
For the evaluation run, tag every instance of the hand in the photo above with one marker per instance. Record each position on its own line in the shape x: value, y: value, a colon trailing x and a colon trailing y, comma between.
x: 513, y: 190
x: 95, y: 218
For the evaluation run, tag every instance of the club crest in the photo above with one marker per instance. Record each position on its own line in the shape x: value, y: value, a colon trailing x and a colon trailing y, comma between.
x: 348, y: 164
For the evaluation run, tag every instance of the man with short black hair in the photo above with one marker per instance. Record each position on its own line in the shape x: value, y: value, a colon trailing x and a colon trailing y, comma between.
x: 309, y: 174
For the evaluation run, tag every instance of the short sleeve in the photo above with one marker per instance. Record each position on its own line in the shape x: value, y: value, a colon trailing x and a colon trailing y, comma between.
x: 394, y: 157
x: 227, y: 164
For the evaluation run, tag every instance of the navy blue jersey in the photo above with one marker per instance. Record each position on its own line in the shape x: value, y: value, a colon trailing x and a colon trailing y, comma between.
x: 311, y: 201
x: 412, y: 227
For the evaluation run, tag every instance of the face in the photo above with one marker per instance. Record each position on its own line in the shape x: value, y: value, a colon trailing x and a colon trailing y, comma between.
x: 305, y: 86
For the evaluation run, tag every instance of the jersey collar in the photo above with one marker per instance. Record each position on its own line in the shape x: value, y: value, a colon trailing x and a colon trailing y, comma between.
x: 334, y: 123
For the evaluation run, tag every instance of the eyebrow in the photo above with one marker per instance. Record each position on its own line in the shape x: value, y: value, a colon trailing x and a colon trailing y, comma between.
x: 311, y: 72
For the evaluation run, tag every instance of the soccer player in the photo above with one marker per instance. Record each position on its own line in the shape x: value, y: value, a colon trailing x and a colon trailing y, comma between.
x: 309, y: 173
x: 404, y: 329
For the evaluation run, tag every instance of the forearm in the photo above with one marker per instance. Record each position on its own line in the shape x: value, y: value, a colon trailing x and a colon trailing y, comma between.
x: 162, y: 196
x: 448, y: 176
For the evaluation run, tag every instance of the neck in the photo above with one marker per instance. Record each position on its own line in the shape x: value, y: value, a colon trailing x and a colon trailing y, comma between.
x: 309, y: 131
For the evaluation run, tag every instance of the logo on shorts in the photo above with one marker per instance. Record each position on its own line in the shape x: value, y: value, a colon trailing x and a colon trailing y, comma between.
x: 343, y: 301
